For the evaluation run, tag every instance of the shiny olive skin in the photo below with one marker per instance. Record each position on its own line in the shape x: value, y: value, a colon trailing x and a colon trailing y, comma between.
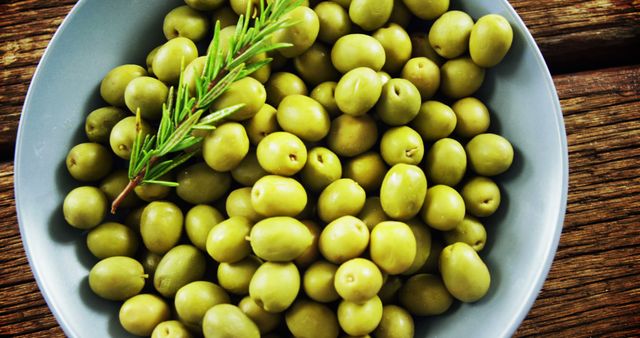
x: 178, y: 267
x: 449, y: 34
x: 124, y: 133
x: 115, y: 82
x: 358, y: 91
x: 186, y: 22
x: 324, y: 93
x: 282, y: 153
x: 344, y: 238
x: 249, y: 171
x: 472, y: 117
x: 225, y: 147
x: 147, y: 94
x: 446, y: 162
x: 114, y: 183
x: 370, y: 14
x: 263, y: 123
x: 464, y: 273
x: 279, y: 239
x: 435, y: 120
x: 194, y: 299
x: 422, y: 48
x: 264, y: 73
x: 238, y: 203
x: 149, y: 60
x: 170, y: 329
x: 150, y: 192
x: 425, y: 295
x: 314, y: 65
x: 389, y: 292
x: 318, y: 282
x: 396, y: 322
x: 112, y: 239
x: 140, y: 314
x: 99, y: 123
x: 443, y: 208
x: 89, y: 162
x: 358, y: 280
x: 469, y: 231
x: 283, y: 84
x: 169, y: 58
x: 240, y: 7
x: 384, y: 77
x: 235, y: 277
x: 309, y: 319
x: 226, y: 320
x: 341, y: 197
x: 117, y: 278
x: 399, y: 102
x: 84, y: 207
x: 334, y: 21
x: 204, y: 5
x: 367, y: 170
x: 460, y: 77
x: 489, y: 154
x: 303, y: 117
x: 401, y: 145
x: 226, y: 241
x: 481, y: 196
x: 161, y: 226
x: 265, y: 321
x: 392, y: 247
x: 199, y: 184
x: 360, y: 319
x: 397, y: 46
x: 275, y: 286
x: 372, y: 212
x: 403, y: 191
x: 424, y: 74
x: 301, y: 35
x: 323, y: 167
x: 312, y: 253
x: 274, y: 195
x: 423, y: 245
x: 490, y: 40
x: 357, y: 50
x: 352, y: 135
x: 427, y: 10
x: 247, y: 91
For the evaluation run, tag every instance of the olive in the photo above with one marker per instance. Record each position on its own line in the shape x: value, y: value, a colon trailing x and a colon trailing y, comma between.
x: 358, y: 280
x: 341, y: 197
x: 99, y: 123
x: 283, y: 84
x: 464, y: 273
x: 205, y: 5
x: 275, y: 286
x: 472, y: 116
x: 422, y: 48
x: 312, y: 252
x: 224, y: 14
x: 352, y: 135
x: 322, y: 168
x: 400, y: 14
x: 263, y: 123
x: 242, y: 7
x: 249, y: 171
x: 150, y: 261
x: 115, y: 82
x: 117, y: 278
x: 449, y: 34
x: 370, y: 14
x: 357, y: 50
x: 302, y: 34
x: 194, y: 299
x: 490, y: 40
x: 425, y: 295
x: 399, y: 102
x: 389, y: 292
x: 397, y: 46
x: 186, y: 22
x: 489, y: 154
x: 446, y: 162
x: 401, y: 145
x: 226, y: 320
x: 235, y: 277
x: 279, y: 239
x: 149, y: 60
x: 431, y: 265
x: 384, y: 77
x: 124, y: 133
x: 114, y: 184
x: 170, y: 329
x: 161, y: 226
x: 396, y: 322
x: 199, y: 184
x: 225, y: 147
x: 460, y: 77
x: 170, y: 58
x: 264, y: 72
x: 282, y: 153
x: 358, y: 91
x: 427, y: 10
x: 238, y: 203
x: 314, y: 65
x: 423, y: 245
x: 424, y: 74
x: 180, y: 266
x: 367, y: 170
x: 112, y: 239
x: 318, y: 282
x: 344, y: 238
x: 265, y: 321
x: 324, y: 93
x: 435, y: 120
x: 372, y: 212
x: 469, y: 231
x: 140, y: 314
x: 199, y: 221
x: 274, y: 195
x: 393, y: 246
x: 226, y: 241
x: 403, y: 191
x: 443, y: 208
x: 334, y: 21
x: 89, y: 162
x: 84, y: 207
x: 303, y: 117
x: 481, y: 196
x: 360, y: 319
x: 247, y: 91
x: 307, y: 319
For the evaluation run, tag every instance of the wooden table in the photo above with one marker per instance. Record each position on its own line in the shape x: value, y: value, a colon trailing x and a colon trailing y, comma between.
x: 593, y: 50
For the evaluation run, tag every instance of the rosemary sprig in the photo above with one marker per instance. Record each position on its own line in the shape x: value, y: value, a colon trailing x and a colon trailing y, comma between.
x: 153, y: 156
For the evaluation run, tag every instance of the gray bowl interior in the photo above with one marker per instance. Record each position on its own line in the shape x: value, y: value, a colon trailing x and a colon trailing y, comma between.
x: 99, y: 35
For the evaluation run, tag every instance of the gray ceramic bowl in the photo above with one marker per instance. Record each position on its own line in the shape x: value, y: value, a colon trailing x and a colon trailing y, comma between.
x: 99, y: 35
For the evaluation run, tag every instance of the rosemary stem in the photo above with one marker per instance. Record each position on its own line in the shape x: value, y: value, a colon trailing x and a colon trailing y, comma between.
x: 131, y: 185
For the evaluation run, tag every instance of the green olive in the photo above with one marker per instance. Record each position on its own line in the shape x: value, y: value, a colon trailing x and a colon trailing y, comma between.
x: 341, y: 197
x: 323, y: 167
x: 242, y: 7
x: 275, y: 286
x: 358, y: 91
x: 372, y: 212
x: 469, y: 231
x: 279, y: 239
x: 400, y: 14
x: 226, y: 320
x: 199, y: 184
x: 443, y: 208
x: 367, y: 170
x: 238, y: 203
x: 424, y: 74
x: 149, y: 60
x: 449, y: 34
x: 396, y: 322
x: 115, y: 82
x: 225, y: 147
x: 90, y: 161
x: 481, y: 196
x: 282, y: 153
x: 389, y: 292
x: 247, y: 91
x: 446, y: 162
x: 124, y: 133
x: 161, y: 226
x: 171, y: 329
x: 370, y: 14
x: 324, y: 93
x: 344, y: 238
x: 423, y: 245
x: 186, y: 22
x: 490, y: 40
x: 435, y: 120
x: 167, y: 64
x: 302, y: 34
x: 303, y: 117
x: 192, y: 72
x: 357, y: 50
x: 399, y: 102
x: 431, y: 265
x: 358, y: 280
x: 199, y: 221
x: 263, y: 73
x: 235, y: 277
x: 314, y: 65
x: 150, y: 261
x: 249, y: 171
x: 99, y: 123
x: 180, y: 266
x: 225, y: 15
x: 464, y: 273
x: 352, y: 135
x: 205, y: 5
x: 427, y: 9
x: 226, y: 242
x: 262, y: 124
x: 318, y: 282
x: 114, y: 184
x: 312, y: 252
x: 397, y: 46
x: 393, y: 246
x: 460, y: 77
x: 283, y: 84
x: 425, y: 295
x: 401, y: 145
x: 84, y: 207
x: 472, y: 115
x: 133, y: 218
x: 422, y: 48
x: 274, y: 195
x: 194, y: 299
x: 489, y: 154
x: 117, y: 278
x: 403, y: 191
x: 112, y: 239
x: 140, y: 314
x: 384, y: 77
x: 265, y: 321
x: 306, y: 319
x: 360, y: 319
x: 334, y: 21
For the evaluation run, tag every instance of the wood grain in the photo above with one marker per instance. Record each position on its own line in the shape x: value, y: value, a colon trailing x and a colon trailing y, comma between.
x: 572, y: 34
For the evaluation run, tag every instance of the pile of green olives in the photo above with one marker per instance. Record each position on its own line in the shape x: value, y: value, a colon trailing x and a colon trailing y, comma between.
x: 308, y: 212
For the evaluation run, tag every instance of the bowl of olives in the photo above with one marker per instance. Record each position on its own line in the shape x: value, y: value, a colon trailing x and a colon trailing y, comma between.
x: 392, y: 168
